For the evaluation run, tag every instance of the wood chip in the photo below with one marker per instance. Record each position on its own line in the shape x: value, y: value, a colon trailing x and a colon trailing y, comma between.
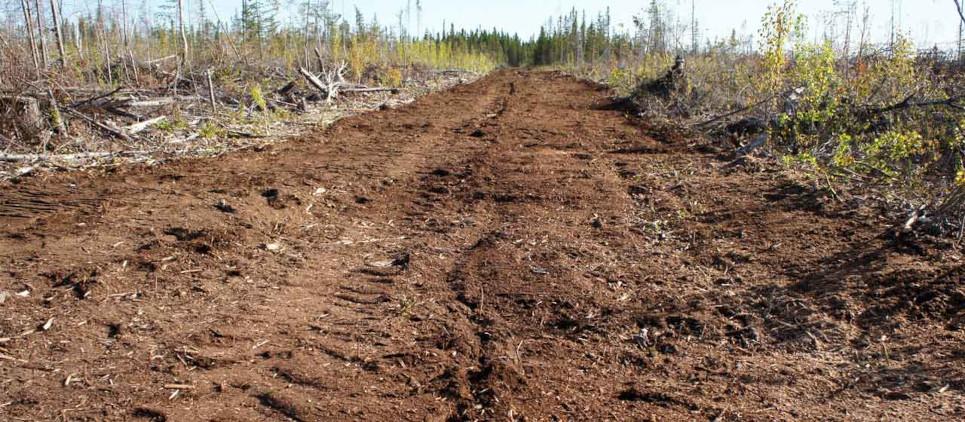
x: 11, y: 358
x: 48, y: 324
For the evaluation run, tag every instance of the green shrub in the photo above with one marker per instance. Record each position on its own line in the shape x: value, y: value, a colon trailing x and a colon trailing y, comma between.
x: 257, y: 98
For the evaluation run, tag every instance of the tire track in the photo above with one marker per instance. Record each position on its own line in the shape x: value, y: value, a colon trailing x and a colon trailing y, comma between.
x: 512, y: 249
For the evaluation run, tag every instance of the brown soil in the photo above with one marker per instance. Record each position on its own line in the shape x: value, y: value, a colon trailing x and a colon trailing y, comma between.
x: 512, y: 249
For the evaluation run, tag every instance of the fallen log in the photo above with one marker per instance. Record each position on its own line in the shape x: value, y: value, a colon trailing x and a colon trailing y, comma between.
x: 757, y: 143
x: 156, y: 102
x: 242, y: 134
x: 287, y: 88
x: 136, y: 103
x: 312, y: 79
x: 140, y: 127
x: 369, y: 90
x: 20, y: 158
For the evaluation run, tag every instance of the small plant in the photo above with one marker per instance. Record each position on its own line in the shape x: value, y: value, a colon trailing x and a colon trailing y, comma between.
x: 258, y: 99
x: 407, y: 306
x: 892, y: 152
x: 393, y: 77
x: 171, y: 125
x: 209, y: 130
x: 56, y: 120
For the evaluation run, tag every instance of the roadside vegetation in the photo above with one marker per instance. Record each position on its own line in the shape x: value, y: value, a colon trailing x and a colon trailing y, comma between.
x: 132, y: 82
x: 884, y: 117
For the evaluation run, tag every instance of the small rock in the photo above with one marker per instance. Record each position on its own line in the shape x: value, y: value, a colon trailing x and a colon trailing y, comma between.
x: 273, y: 196
x: 642, y: 338
x: 224, y: 207
x: 273, y: 247
x: 596, y: 222
x: 400, y: 260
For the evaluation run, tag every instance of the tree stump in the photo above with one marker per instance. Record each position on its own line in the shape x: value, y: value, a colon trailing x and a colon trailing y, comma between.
x: 672, y: 83
x: 21, y: 116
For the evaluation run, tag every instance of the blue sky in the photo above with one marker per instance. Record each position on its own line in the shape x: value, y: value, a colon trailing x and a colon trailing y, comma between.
x: 929, y: 21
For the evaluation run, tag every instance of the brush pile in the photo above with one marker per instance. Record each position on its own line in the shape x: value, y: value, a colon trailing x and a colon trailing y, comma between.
x: 205, y: 113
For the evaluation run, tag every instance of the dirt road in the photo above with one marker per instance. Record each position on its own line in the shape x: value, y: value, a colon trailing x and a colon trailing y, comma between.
x: 512, y: 249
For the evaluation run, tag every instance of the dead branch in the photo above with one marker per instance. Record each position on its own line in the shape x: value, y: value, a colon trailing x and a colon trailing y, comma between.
x: 907, y: 103
x: 214, y: 104
x: 162, y: 59
x: 110, y: 130
x: 334, y: 82
x: 321, y: 61
x: 95, y: 98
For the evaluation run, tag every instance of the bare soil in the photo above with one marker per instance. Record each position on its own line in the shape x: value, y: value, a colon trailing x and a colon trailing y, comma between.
x: 511, y: 249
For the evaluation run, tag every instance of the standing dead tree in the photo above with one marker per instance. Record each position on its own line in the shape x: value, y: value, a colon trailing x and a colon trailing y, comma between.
x: 31, y: 36
x: 55, y: 11
x: 961, y: 27
x: 38, y: 12
x: 184, y: 36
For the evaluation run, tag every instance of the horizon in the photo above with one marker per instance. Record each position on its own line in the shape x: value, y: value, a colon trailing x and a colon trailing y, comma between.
x: 936, y: 24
